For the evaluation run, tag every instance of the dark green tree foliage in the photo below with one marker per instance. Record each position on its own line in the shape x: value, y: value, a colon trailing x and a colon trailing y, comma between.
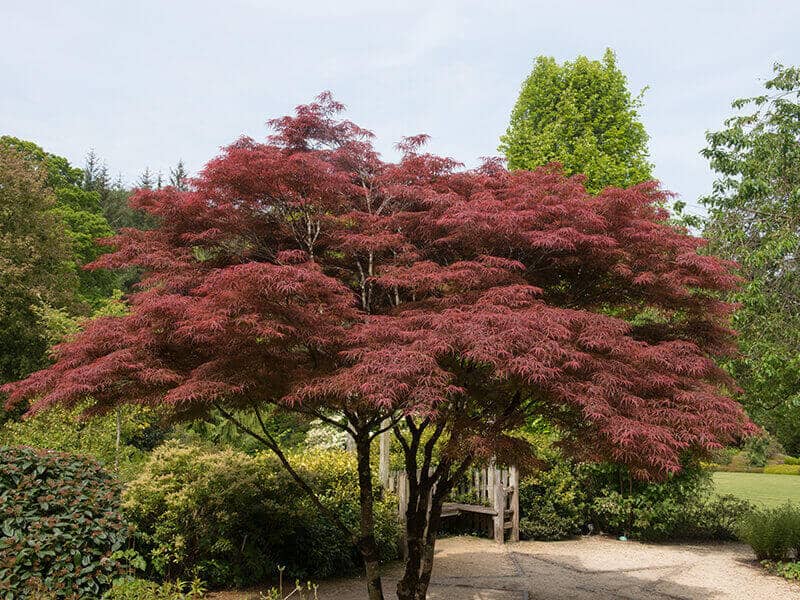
x: 79, y: 209
x: 146, y: 181
x: 754, y: 219
x: 579, y: 114
x: 117, y: 211
x: 35, y: 263
x: 61, y: 526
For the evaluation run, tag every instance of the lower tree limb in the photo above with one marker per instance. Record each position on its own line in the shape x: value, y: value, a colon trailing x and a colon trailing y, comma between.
x: 365, y: 540
x: 270, y: 443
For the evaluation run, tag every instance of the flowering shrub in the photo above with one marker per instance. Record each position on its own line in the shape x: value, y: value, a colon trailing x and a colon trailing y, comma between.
x: 61, y: 526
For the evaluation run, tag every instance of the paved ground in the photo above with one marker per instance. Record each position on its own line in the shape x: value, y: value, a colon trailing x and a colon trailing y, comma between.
x: 582, y: 569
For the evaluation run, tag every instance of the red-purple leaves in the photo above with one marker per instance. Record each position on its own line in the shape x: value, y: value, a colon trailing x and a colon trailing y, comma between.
x: 306, y: 270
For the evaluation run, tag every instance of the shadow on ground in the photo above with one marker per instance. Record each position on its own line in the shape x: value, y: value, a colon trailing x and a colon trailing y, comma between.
x: 588, y: 568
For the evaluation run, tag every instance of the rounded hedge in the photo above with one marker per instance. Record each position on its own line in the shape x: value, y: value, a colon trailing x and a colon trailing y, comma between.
x: 61, y: 525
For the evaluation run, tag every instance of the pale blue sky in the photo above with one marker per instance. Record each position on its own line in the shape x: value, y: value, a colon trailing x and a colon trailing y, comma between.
x: 147, y: 82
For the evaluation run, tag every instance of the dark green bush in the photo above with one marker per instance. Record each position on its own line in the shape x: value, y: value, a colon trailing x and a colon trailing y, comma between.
x: 791, y: 460
x: 230, y: 518
x: 759, y: 449
x: 552, y: 504
x: 561, y: 501
x: 61, y: 525
x: 682, y: 507
x: 773, y: 533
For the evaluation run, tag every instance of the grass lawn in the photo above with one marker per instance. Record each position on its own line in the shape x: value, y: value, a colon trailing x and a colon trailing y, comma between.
x: 761, y: 488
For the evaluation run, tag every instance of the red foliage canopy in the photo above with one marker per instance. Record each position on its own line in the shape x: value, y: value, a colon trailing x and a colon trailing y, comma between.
x: 308, y: 271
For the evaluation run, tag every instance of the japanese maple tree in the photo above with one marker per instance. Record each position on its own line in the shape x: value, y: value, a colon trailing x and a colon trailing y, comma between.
x: 448, y: 305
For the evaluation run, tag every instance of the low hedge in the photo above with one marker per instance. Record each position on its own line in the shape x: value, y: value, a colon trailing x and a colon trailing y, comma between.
x: 232, y: 519
x: 782, y: 469
x: 62, y: 530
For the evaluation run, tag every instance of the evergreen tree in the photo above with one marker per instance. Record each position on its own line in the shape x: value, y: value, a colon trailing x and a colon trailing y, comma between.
x: 145, y: 180
x: 91, y: 172
x: 178, y: 177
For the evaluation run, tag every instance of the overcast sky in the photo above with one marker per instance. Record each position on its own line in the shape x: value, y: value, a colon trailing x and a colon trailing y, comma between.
x: 147, y: 82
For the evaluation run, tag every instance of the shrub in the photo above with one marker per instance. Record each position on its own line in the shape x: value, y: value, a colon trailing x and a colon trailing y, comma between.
x: 682, y: 507
x: 724, y: 456
x: 65, y: 431
x: 791, y: 460
x: 130, y: 588
x: 552, y: 504
x: 711, y: 518
x: 788, y: 570
x: 61, y: 525
x: 773, y: 533
x: 759, y: 449
x: 230, y: 518
x: 782, y: 469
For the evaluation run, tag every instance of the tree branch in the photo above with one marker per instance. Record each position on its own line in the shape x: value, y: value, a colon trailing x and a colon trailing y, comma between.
x: 270, y: 443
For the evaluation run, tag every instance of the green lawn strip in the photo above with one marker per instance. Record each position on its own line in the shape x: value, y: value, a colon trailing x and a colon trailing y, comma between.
x: 761, y: 488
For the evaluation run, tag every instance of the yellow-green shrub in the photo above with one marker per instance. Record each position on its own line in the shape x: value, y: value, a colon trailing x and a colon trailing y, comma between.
x: 782, y: 469
x: 232, y: 519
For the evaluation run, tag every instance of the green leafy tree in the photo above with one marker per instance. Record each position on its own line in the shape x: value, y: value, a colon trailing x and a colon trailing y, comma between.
x: 78, y: 207
x: 582, y: 115
x: 35, y: 263
x: 754, y: 219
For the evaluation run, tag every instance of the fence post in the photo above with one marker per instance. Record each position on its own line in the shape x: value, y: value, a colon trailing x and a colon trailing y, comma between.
x: 383, y: 464
x: 514, y: 504
x: 402, y: 493
x: 498, y: 503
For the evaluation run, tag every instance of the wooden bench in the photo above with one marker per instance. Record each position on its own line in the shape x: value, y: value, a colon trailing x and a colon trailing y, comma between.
x: 496, y: 489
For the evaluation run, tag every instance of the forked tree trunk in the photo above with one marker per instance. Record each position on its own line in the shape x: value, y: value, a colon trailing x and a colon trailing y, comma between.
x: 431, y: 534
x: 423, y: 518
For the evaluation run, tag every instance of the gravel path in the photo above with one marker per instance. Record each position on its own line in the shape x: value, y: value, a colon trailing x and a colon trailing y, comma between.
x: 587, y: 568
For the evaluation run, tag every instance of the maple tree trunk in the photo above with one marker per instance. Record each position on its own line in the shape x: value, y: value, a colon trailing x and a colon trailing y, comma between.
x: 422, y: 526
x: 422, y: 530
x: 366, y: 541
x: 432, y: 532
x: 423, y: 519
x: 416, y: 520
